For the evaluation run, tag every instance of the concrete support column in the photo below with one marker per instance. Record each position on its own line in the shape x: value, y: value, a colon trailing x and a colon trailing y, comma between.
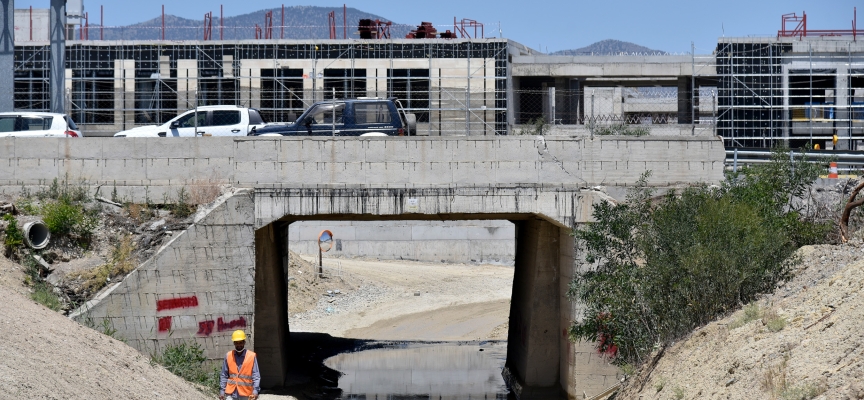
x: 187, y: 84
x: 582, y: 369
x: 254, y: 89
x: 841, y: 110
x: 685, y: 100
x: 58, y: 54
x: 574, y: 103
x: 270, y: 331
x: 124, y: 94
x: 533, y: 344
x: 7, y: 55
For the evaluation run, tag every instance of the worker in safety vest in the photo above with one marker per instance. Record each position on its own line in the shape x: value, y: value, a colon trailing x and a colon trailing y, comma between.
x: 240, y: 378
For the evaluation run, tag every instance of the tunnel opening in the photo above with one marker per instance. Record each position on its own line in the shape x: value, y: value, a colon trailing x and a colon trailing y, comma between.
x: 301, y: 354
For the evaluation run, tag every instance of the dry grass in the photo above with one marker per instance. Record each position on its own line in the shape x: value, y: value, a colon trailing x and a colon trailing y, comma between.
x: 775, y: 382
x: 204, y: 191
x: 122, y: 262
x: 774, y: 379
x: 773, y: 321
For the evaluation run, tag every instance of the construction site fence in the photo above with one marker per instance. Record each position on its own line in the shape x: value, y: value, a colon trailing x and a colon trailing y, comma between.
x: 614, y: 106
x: 102, y: 107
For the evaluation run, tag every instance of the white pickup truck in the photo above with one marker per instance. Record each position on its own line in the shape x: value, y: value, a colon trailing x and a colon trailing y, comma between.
x: 204, y: 121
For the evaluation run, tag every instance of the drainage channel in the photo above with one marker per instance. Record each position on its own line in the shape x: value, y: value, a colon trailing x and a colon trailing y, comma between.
x: 327, y: 368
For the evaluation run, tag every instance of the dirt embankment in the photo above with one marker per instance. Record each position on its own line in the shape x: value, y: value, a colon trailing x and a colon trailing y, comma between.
x: 400, y: 300
x: 805, y: 341
x: 48, y: 356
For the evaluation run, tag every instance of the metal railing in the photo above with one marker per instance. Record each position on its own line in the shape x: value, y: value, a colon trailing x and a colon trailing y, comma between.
x: 849, y: 161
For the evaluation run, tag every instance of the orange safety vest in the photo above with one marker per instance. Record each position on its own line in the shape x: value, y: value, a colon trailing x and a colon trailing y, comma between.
x: 240, y: 380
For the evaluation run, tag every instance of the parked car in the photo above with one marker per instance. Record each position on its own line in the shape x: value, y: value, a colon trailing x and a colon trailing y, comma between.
x: 209, y: 121
x: 351, y: 117
x: 37, y: 124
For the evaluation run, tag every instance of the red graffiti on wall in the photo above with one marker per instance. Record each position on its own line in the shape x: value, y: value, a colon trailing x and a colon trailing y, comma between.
x: 237, y: 323
x: 205, y: 328
x: 164, y: 324
x: 178, y: 302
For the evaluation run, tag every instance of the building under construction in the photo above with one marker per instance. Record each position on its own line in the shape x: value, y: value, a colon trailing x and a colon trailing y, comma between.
x: 452, y: 85
x: 801, y: 87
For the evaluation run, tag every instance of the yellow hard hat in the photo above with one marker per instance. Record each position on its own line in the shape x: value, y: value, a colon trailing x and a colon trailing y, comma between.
x: 238, y: 335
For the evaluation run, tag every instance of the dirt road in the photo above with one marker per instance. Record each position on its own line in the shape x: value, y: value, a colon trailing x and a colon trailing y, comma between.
x: 405, y: 300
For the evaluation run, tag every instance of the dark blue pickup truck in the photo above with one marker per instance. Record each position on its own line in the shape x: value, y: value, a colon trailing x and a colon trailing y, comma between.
x: 350, y: 117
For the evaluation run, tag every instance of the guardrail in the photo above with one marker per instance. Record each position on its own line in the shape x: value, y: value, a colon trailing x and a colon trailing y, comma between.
x: 846, y: 160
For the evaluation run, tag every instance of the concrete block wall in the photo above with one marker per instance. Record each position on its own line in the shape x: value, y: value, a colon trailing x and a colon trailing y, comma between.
x: 432, y: 241
x: 198, y: 286
x: 159, y: 167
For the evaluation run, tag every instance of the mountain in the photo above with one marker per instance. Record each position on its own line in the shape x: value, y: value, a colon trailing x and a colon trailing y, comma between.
x: 301, y: 22
x: 608, y: 46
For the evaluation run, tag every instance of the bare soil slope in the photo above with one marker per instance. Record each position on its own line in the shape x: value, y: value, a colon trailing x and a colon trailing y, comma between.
x: 46, y: 355
x: 818, y: 353
x: 401, y: 300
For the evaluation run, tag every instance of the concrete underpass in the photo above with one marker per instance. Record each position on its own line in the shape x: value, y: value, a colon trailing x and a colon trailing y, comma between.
x: 543, y: 267
x: 224, y: 270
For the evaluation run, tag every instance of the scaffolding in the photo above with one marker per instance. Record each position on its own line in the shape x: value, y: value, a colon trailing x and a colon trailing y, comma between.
x: 753, y: 92
x: 798, y: 91
x: 455, y: 87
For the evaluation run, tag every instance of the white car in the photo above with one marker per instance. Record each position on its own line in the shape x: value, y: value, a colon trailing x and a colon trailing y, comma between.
x: 37, y: 124
x: 209, y: 121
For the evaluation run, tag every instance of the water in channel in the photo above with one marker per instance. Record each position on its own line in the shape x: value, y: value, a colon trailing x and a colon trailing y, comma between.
x: 322, y: 367
x: 415, y: 371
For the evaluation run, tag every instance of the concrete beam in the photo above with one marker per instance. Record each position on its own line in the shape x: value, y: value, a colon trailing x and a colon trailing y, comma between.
x: 612, y: 66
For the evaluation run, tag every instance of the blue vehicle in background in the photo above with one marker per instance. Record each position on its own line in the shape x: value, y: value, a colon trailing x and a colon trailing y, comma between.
x: 348, y: 117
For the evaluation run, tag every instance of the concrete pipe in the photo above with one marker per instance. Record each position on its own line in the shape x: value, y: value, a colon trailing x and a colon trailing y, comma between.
x: 36, y: 234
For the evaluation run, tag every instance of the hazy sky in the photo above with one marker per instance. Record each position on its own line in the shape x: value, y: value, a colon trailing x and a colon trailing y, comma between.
x: 668, y: 25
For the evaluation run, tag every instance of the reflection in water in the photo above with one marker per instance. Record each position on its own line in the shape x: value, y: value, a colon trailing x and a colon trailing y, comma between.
x: 414, y: 371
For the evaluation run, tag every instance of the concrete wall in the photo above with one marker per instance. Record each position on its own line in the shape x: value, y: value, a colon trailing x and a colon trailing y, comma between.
x: 201, y: 285
x: 142, y: 168
x: 40, y: 31
x: 433, y: 241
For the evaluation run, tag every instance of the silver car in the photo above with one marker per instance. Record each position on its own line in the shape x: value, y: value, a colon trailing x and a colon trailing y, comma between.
x: 37, y: 124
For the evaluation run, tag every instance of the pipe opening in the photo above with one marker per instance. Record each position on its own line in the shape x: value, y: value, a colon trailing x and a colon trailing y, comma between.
x: 36, y: 234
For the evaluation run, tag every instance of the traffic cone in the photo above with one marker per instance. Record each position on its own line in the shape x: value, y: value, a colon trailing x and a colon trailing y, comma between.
x: 832, y: 170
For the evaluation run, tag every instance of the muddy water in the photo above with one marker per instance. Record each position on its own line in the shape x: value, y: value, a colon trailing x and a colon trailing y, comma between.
x: 410, y: 370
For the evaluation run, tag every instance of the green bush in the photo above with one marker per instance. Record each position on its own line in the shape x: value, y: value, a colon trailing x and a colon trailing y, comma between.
x: 64, y: 219
x: 535, y: 127
x: 664, y: 267
x: 752, y: 312
x: 13, y: 237
x: 181, y: 207
x: 187, y: 361
x: 622, y: 130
